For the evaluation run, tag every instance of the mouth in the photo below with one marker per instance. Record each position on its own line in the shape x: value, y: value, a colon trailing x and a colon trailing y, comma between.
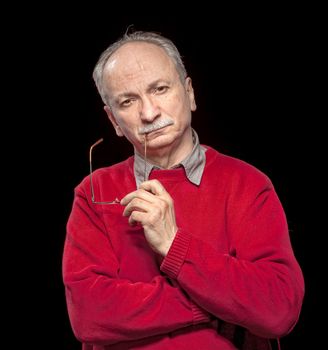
x: 156, y: 130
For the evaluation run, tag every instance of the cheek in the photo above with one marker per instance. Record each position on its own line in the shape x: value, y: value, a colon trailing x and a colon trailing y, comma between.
x: 126, y: 120
x: 179, y: 107
x: 129, y: 126
x: 172, y: 104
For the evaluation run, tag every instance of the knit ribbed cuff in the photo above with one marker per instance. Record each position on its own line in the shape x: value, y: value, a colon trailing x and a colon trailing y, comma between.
x: 174, y: 259
x: 199, y: 315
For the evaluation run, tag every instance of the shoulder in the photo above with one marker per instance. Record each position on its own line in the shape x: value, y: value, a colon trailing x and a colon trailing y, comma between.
x: 233, y: 169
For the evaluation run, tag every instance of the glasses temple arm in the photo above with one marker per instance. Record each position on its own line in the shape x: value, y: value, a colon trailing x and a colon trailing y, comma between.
x: 90, y: 163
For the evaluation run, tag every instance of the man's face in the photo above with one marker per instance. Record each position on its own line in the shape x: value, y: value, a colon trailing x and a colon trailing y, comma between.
x: 146, y: 96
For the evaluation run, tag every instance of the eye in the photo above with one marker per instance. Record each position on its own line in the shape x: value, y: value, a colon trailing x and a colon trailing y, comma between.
x: 126, y: 103
x: 161, y: 89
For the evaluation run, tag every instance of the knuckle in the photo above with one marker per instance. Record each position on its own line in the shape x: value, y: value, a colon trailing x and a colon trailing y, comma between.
x: 134, y: 216
x: 165, y: 204
x: 154, y: 215
x: 135, y: 202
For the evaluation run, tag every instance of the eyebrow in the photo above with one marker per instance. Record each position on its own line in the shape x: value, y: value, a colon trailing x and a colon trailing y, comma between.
x: 150, y: 87
x: 157, y: 82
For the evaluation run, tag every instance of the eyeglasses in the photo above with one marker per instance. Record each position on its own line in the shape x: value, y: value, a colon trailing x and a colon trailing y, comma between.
x: 116, y: 200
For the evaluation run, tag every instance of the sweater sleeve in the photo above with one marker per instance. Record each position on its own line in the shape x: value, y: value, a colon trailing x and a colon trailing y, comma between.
x: 258, y: 283
x: 105, y: 309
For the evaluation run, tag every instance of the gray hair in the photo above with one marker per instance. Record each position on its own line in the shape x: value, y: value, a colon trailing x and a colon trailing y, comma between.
x: 148, y: 37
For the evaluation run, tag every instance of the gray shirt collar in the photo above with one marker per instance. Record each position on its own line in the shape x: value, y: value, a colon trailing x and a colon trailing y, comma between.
x: 193, y: 164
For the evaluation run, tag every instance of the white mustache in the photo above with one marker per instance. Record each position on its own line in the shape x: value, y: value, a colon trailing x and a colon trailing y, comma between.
x: 158, y: 124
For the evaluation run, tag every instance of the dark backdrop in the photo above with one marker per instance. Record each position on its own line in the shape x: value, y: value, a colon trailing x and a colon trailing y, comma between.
x: 252, y: 72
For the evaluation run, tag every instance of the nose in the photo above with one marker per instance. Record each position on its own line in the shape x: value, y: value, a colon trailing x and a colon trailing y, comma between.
x: 149, y: 109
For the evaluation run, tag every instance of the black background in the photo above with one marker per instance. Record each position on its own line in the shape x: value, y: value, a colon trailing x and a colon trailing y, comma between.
x: 255, y: 73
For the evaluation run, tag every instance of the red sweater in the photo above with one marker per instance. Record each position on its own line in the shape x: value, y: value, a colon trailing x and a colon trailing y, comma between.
x: 230, y: 274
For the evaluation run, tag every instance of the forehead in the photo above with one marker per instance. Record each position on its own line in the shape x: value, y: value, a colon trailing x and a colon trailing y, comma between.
x: 138, y: 60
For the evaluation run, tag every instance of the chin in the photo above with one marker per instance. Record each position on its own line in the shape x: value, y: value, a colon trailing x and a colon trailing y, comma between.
x: 159, y: 141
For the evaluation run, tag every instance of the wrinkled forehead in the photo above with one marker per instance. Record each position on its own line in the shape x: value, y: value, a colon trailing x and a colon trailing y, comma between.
x: 137, y: 57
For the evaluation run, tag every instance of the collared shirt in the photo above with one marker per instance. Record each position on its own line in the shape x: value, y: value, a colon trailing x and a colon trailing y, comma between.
x: 193, y: 164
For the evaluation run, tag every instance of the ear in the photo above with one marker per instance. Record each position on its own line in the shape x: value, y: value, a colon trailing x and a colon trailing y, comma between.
x: 112, y: 118
x: 190, y: 92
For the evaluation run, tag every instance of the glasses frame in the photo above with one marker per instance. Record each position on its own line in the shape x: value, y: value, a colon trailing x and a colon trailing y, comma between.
x: 116, y: 200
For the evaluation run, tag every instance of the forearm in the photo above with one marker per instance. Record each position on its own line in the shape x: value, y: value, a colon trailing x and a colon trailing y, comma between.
x: 263, y: 296
x: 105, y: 308
x: 255, y: 280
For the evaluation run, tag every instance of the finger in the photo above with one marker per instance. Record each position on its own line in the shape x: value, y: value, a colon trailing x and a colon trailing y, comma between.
x: 140, y: 193
x: 153, y: 186
x: 137, y: 204
x: 136, y: 217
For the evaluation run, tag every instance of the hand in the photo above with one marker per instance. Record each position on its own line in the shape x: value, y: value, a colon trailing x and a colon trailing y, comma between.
x: 152, y: 207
